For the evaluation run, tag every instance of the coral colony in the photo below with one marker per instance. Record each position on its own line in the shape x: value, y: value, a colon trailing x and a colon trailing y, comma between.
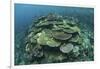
x: 54, y: 39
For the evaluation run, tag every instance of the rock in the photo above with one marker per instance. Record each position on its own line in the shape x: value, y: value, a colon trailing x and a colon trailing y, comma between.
x: 66, y: 48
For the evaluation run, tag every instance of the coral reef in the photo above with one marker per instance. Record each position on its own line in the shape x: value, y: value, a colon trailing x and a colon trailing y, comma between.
x: 54, y: 38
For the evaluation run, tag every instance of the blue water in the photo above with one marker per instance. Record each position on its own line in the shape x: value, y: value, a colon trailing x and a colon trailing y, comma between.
x: 26, y: 13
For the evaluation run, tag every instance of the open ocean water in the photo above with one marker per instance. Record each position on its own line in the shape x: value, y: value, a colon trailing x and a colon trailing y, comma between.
x: 25, y: 14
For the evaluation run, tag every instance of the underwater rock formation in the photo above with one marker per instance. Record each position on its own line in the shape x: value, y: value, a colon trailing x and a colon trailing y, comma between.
x: 54, y: 38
